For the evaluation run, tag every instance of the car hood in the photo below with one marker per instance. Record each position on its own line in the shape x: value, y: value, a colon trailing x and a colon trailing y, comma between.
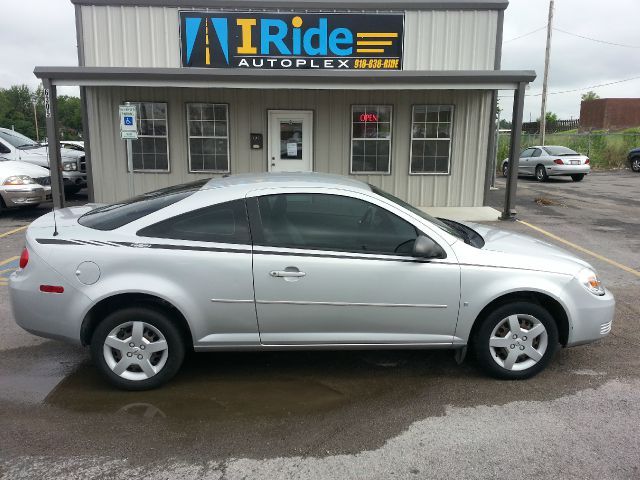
x: 523, y: 251
x: 9, y: 168
x: 42, y: 153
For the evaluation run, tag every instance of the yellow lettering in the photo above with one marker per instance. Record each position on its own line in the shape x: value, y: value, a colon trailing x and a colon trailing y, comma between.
x: 246, y: 24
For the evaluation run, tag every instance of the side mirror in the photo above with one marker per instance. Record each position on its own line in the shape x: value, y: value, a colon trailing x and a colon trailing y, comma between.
x: 424, y: 247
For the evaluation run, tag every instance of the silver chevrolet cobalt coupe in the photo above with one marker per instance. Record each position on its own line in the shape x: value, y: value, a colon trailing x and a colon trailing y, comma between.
x: 295, y: 261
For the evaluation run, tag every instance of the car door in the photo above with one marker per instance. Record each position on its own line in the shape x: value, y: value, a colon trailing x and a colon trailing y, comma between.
x: 336, y: 269
x: 536, y: 159
x: 524, y: 164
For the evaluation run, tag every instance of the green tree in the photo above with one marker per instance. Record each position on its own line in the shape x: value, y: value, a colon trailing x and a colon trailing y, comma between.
x: 16, y: 110
x: 551, y: 118
x: 590, y: 95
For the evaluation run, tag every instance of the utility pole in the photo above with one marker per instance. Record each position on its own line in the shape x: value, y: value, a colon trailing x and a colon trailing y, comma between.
x: 34, y: 101
x: 543, y: 116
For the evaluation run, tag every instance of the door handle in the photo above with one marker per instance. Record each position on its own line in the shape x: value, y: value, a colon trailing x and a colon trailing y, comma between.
x: 286, y: 273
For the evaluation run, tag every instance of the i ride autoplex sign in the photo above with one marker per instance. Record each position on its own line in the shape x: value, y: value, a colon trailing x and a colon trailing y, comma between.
x: 291, y: 40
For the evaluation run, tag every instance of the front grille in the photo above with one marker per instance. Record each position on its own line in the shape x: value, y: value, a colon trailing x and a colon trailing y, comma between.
x: 83, y: 164
x: 605, y: 328
x: 43, y: 180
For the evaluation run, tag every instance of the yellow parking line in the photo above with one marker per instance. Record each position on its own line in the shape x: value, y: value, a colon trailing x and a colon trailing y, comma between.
x: 6, y: 270
x: 583, y: 250
x: 8, y: 260
x: 15, y: 230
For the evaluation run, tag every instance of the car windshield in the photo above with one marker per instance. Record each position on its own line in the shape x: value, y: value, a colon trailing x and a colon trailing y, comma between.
x: 407, y: 206
x: 110, y: 217
x: 17, y: 140
x: 560, y: 151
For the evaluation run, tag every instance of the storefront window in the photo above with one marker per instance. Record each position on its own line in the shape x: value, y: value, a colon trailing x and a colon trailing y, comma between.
x: 431, y: 139
x: 371, y: 139
x: 208, y: 137
x: 151, y: 149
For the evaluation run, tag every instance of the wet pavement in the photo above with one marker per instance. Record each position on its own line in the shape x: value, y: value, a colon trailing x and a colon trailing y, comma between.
x: 366, y: 414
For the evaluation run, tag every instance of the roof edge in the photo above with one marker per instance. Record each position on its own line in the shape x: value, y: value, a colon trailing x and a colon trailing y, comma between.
x: 310, y: 4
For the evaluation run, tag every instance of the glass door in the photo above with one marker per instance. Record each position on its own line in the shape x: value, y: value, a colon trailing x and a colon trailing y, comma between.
x: 290, y: 141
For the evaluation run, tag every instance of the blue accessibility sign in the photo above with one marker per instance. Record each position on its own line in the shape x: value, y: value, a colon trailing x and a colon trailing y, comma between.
x: 128, y: 120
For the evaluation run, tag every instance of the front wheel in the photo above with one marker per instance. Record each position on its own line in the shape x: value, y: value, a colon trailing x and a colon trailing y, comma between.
x: 505, y: 170
x: 577, y: 177
x: 516, y: 341
x: 137, y: 348
x: 541, y: 174
x: 635, y: 164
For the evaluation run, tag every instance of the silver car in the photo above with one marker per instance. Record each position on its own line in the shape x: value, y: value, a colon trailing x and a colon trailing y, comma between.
x: 551, y: 160
x: 296, y: 261
x: 23, y: 184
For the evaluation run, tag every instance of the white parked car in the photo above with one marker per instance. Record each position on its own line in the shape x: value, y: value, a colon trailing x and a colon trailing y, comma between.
x: 15, y: 146
x: 551, y: 160
x: 286, y: 261
x: 23, y: 184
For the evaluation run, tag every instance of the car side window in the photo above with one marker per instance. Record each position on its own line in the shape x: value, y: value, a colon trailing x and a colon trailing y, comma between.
x: 331, y: 222
x: 222, y: 223
x: 4, y: 148
x: 526, y: 153
x: 536, y: 153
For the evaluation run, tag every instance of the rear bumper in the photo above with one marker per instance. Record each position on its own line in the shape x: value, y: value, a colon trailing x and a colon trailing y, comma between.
x: 568, y: 169
x: 23, y: 195
x: 592, y: 320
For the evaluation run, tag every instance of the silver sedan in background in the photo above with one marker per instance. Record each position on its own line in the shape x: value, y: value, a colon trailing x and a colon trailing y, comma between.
x: 296, y: 261
x: 551, y: 160
x: 23, y: 184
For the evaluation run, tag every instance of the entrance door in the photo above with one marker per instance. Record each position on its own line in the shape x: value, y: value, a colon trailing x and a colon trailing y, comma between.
x: 290, y: 140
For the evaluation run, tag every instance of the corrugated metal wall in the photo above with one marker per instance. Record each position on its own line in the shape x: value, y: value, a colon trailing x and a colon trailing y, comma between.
x: 149, y: 37
x: 332, y: 130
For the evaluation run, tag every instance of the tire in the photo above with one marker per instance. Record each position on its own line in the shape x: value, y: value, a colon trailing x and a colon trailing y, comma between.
x: 144, y: 369
x: 635, y: 164
x: 577, y: 177
x: 72, y: 190
x: 496, y: 349
x: 541, y: 174
x: 505, y: 170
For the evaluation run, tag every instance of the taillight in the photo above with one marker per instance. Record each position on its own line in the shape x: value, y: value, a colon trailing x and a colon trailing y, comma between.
x: 52, y: 288
x: 24, y: 257
x: 587, y: 162
x: 558, y: 162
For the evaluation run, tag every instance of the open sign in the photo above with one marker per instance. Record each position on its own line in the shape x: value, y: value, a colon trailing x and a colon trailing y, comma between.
x: 368, y: 117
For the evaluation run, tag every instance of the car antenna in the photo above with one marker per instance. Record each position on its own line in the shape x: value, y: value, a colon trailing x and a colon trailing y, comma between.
x: 55, y: 224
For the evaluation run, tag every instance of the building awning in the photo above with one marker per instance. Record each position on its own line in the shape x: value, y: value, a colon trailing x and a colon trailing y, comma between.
x: 311, y: 79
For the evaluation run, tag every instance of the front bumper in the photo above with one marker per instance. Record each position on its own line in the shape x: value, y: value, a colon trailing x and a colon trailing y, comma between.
x: 592, y: 319
x: 23, y: 195
x: 74, y: 179
x: 554, y: 169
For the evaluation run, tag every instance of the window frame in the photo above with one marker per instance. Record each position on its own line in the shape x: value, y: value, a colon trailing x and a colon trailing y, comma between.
x: 240, y: 204
x: 390, y: 139
x: 186, y: 111
x: 166, y: 136
x: 450, y: 139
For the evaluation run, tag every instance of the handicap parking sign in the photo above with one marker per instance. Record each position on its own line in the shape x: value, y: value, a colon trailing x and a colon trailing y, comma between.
x: 128, y: 120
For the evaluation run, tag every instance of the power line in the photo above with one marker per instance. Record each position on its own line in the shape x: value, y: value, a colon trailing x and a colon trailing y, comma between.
x: 597, y: 40
x: 526, y: 34
x: 578, y: 89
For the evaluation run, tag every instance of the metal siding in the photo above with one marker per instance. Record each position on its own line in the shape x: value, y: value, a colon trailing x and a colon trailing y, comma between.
x: 332, y: 136
x: 149, y: 37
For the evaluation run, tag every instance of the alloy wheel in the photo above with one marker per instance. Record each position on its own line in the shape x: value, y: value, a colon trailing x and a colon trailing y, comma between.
x: 518, y: 342
x: 635, y: 164
x: 135, y: 350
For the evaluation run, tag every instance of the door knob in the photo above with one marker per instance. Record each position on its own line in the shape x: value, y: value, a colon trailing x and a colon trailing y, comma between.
x: 286, y: 273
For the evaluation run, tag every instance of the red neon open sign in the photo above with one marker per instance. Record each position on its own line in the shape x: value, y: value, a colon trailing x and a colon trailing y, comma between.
x: 368, y: 117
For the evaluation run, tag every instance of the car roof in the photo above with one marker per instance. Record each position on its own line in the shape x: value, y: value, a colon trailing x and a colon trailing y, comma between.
x: 250, y: 181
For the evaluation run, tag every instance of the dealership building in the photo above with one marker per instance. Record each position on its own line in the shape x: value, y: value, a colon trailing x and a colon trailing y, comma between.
x: 399, y: 94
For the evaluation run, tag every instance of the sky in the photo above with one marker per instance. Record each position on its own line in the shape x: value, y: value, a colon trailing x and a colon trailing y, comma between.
x: 42, y: 32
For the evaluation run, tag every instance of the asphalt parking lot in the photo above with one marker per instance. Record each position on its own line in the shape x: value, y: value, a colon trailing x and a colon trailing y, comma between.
x: 376, y: 414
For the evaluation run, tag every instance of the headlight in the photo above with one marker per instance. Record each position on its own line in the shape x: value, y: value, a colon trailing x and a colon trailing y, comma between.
x: 69, y: 166
x: 19, y: 180
x: 589, y: 279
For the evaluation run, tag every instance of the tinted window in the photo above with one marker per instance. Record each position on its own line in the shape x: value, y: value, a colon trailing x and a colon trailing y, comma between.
x: 223, y: 223
x: 16, y: 139
x: 116, y: 215
x: 560, y: 151
x: 332, y: 222
x: 536, y: 153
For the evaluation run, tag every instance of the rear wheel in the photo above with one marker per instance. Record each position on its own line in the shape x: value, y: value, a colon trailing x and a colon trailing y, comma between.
x: 137, y: 348
x: 541, y: 174
x: 577, y: 177
x: 635, y: 164
x: 516, y: 341
x: 505, y: 170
